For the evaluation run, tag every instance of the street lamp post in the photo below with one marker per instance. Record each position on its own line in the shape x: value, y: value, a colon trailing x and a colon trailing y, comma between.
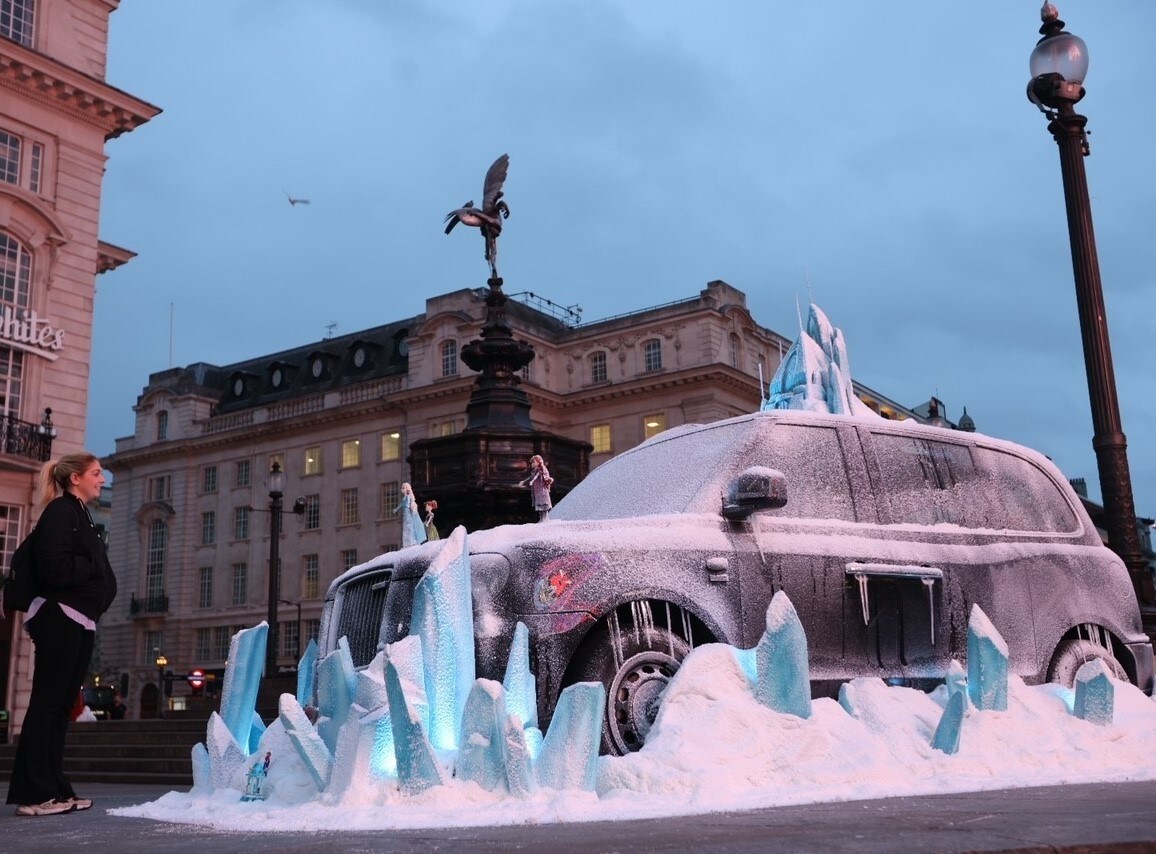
x: 162, y: 663
x: 1059, y: 64
x: 276, y: 491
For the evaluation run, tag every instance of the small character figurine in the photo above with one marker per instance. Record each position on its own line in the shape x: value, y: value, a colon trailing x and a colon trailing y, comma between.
x: 412, y: 529
x: 255, y: 778
x: 539, y: 481
x: 431, y: 531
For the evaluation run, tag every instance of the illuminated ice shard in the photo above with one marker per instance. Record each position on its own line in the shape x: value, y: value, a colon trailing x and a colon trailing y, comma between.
x: 418, y: 768
x: 443, y: 616
x: 1095, y: 694
x: 242, y: 679
x: 307, y: 674
x: 569, y: 757
x: 383, y: 757
x: 522, y: 688
x: 256, y: 730
x: 480, y: 754
x: 517, y: 755
x: 407, y: 658
x: 784, y: 681
x: 353, y: 760
x: 986, y: 663
x: 318, y: 758
x: 336, y: 682
x: 946, y: 736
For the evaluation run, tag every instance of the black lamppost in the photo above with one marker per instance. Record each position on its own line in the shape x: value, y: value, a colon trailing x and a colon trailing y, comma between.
x: 1058, y: 66
x: 276, y: 491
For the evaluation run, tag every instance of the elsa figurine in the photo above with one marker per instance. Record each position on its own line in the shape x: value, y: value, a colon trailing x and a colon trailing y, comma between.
x: 412, y: 529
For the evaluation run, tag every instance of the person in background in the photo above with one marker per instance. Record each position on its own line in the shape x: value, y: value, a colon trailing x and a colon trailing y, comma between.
x: 539, y: 481
x: 117, y: 710
x: 431, y: 531
x: 74, y: 585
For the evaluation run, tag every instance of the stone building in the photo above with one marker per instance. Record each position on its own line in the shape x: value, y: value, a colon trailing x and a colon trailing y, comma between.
x: 191, y: 520
x: 56, y: 113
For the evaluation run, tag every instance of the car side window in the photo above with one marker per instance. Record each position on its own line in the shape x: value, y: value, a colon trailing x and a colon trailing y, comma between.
x: 1028, y: 499
x: 927, y: 482
x: 812, y: 461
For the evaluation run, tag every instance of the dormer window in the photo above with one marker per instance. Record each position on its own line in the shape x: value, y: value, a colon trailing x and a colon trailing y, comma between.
x: 317, y: 367
x: 319, y: 364
x: 277, y: 378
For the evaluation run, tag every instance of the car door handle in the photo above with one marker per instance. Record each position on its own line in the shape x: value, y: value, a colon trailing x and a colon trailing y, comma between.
x: 864, y: 572
x: 716, y: 569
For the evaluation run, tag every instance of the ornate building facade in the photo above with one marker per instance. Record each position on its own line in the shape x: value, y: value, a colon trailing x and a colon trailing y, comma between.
x: 191, y: 505
x: 56, y: 113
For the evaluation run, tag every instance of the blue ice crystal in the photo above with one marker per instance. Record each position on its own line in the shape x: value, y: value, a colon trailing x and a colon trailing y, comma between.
x: 986, y: 663
x: 314, y: 753
x: 307, y: 674
x: 480, y: 753
x: 956, y: 681
x: 517, y: 756
x: 1095, y: 694
x: 336, y: 682
x: 418, y: 768
x: 242, y: 679
x: 569, y: 757
x: 784, y: 680
x: 946, y: 736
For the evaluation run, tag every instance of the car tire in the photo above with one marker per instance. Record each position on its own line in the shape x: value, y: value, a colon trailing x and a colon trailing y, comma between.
x: 634, y: 681
x: 1072, y: 654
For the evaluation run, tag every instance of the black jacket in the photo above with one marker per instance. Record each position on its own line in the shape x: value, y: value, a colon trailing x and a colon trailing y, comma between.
x: 72, y: 565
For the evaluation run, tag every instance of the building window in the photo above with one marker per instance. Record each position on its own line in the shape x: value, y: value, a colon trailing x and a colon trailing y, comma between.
x: 312, y: 512
x: 351, y: 453
x: 598, y: 366
x: 160, y: 488
x: 209, y: 479
x: 449, y: 358
x: 155, y: 559
x: 290, y: 638
x: 9, y: 532
x: 240, y: 583
x: 313, y: 460
x: 276, y: 460
x: 734, y: 351
x: 527, y: 372
x: 208, y: 527
x: 600, y: 438
x: 242, y: 473
x: 162, y: 425
x: 444, y: 428
x: 221, y: 638
x: 16, y: 19
x: 390, y: 498
x: 9, y: 157
x: 240, y: 523
x: 348, y: 559
x: 310, y: 577
x: 390, y: 446
x: 349, y: 514
x: 204, y: 645
x: 205, y: 589
x: 154, y: 642
x: 652, y: 355
x: 312, y: 630
x: 653, y: 424
x: 35, y: 167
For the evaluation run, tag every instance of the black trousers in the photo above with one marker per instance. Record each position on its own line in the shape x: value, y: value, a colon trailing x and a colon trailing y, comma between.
x: 63, y: 649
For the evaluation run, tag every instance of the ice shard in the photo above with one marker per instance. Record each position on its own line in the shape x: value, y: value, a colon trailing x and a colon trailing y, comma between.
x: 242, y: 679
x: 407, y: 658
x: 336, y: 682
x: 369, y: 690
x: 256, y: 730
x: 1095, y: 694
x: 443, y: 616
x: 522, y: 688
x: 202, y: 769
x: 480, y: 754
x: 946, y: 736
x: 956, y: 681
x: 316, y: 755
x: 517, y: 756
x: 784, y: 680
x: 307, y: 674
x: 986, y: 663
x: 353, y: 760
x: 569, y: 757
x: 227, y: 763
x: 383, y: 757
x: 418, y: 768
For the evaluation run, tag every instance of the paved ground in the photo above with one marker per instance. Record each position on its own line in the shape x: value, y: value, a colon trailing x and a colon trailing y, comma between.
x: 1106, y: 817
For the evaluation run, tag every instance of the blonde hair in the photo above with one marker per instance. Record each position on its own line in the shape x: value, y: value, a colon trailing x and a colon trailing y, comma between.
x: 56, y: 476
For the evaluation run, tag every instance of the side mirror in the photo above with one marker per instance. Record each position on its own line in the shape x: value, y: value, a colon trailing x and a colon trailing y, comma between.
x: 756, y: 488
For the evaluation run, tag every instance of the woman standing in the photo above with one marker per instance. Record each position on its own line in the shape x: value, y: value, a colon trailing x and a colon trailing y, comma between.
x: 74, y: 585
x: 412, y: 529
x: 539, y: 481
x: 431, y: 531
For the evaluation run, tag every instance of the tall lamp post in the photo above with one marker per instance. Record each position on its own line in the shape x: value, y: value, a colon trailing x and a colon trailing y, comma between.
x: 276, y: 492
x: 1059, y: 64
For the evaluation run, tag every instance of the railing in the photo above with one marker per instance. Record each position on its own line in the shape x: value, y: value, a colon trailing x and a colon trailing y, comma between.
x: 24, y: 439
x: 371, y: 391
x: 301, y: 406
x: 148, y: 605
x: 220, y: 423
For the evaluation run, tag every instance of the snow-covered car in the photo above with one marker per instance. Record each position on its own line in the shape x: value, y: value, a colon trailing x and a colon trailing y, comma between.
x: 883, y: 534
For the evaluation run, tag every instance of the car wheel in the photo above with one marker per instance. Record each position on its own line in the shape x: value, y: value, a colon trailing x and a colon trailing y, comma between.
x: 1071, y: 654
x: 635, y: 665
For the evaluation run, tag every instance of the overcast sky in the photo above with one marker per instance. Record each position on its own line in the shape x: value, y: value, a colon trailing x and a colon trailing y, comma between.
x: 884, y: 151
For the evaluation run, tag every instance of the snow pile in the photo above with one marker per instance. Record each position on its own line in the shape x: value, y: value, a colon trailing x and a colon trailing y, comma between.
x: 715, y: 747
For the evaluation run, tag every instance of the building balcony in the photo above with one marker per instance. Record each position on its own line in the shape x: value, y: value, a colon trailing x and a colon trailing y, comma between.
x: 148, y: 606
x: 25, y: 439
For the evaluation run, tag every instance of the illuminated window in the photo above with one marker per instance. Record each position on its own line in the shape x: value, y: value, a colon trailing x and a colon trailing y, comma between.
x: 598, y: 366
x: 652, y: 355
x: 350, y: 453
x: 653, y: 424
x: 310, y: 576
x: 391, y: 446
x: 449, y: 358
x: 349, y: 512
x: 444, y: 428
x: 600, y: 438
x: 313, y: 460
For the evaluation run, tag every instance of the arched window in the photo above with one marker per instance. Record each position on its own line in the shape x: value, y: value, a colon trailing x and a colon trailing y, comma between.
x: 598, y: 366
x: 15, y: 278
x: 449, y: 358
x: 155, y: 560
x: 162, y: 425
x: 652, y: 354
x: 734, y: 351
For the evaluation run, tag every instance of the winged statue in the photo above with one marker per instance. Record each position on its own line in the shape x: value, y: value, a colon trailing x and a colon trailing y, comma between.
x: 488, y: 218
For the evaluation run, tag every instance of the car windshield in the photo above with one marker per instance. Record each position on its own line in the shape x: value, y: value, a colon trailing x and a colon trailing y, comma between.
x: 682, y: 473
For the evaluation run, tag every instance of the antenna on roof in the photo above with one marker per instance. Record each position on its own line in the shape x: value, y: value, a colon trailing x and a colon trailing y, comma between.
x: 329, y: 327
